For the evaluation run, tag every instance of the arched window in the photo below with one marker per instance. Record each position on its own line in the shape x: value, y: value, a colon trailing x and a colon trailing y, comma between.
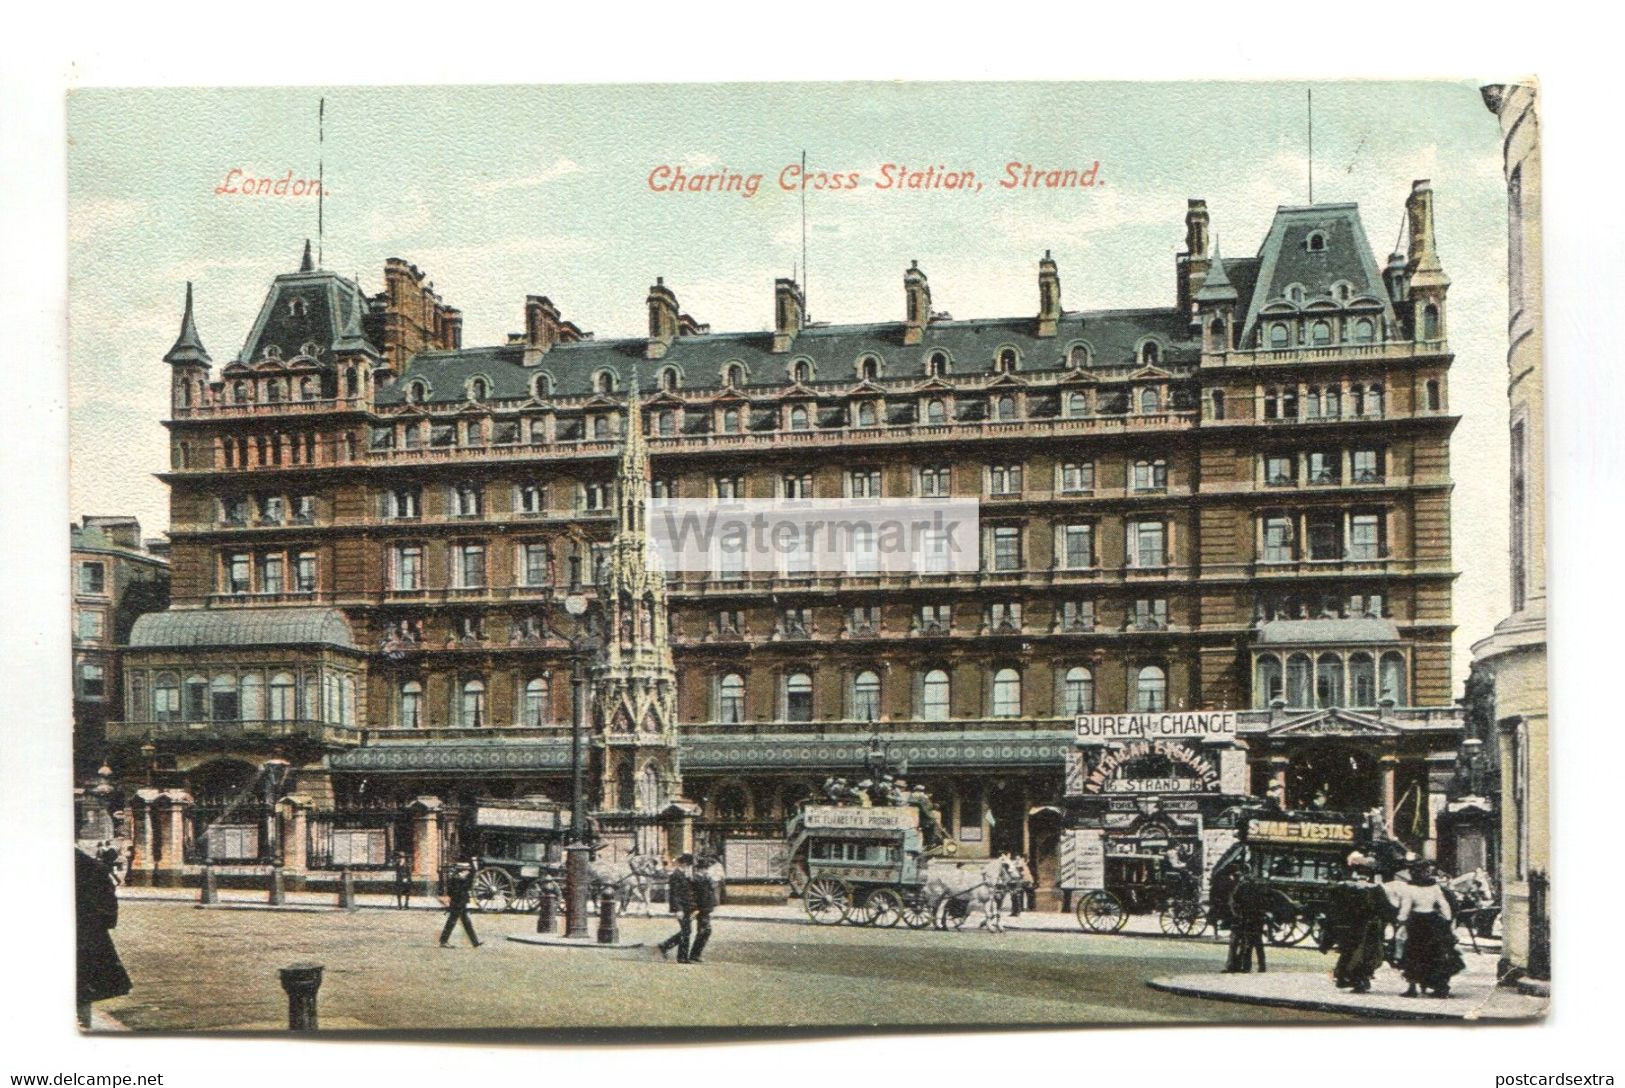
x: 1320, y: 333
x: 1078, y: 695
x: 1329, y: 681
x: 352, y: 384
x: 1150, y: 405
x: 1007, y: 361
x: 1077, y: 356
x: 1005, y: 407
x: 869, y: 368
x: 541, y: 386
x: 1316, y: 242
x: 935, y: 411
x: 1430, y: 322
x: 802, y: 371
x: 1365, y: 331
x: 1266, y: 681
x: 473, y: 704
x: 735, y: 375
x: 937, y: 367
x: 1280, y: 336
x: 798, y: 697
x: 731, y: 699
x: 934, y: 691
x: 798, y: 418
x: 274, y: 391
x: 866, y: 414
x: 1215, y: 335
x: 223, y: 702
x: 1150, y: 354
x: 650, y: 794
x: 1393, y: 679
x: 1217, y: 398
x: 669, y: 380
x: 1362, y: 680
x: 730, y: 421
x: 1297, y: 681
x: 477, y: 389
x: 1077, y: 405
x: 866, y: 697
x: 1151, y: 689
x: 253, y: 696
x: 1007, y: 694
x: 536, y: 702
x: 606, y: 382
x: 417, y: 392
x: 166, y: 698
x: 411, y: 705
x: 196, y: 696
x: 239, y: 392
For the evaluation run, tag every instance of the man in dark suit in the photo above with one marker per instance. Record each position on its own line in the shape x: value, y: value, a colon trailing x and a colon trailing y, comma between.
x: 705, y: 901
x: 459, y: 882
x: 1254, y: 904
x: 680, y: 900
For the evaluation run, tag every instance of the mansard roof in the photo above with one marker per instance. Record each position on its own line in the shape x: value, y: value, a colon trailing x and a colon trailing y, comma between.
x: 309, y: 307
x: 1286, y: 259
x: 1112, y: 336
x: 236, y: 627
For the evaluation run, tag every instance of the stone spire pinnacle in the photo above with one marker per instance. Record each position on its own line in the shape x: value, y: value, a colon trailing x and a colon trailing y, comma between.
x: 1216, y: 285
x: 306, y: 263
x: 188, y: 346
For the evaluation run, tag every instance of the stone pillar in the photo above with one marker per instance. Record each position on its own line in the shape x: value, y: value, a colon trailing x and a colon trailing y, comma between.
x: 1278, y: 765
x: 1389, y: 764
x: 1441, y: 773
x: 142, y: 861
x: 170, y: 810
x: 426, y: 845
x: 293, y: 831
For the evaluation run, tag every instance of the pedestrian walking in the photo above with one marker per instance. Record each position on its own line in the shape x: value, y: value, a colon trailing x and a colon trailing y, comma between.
x: 109, y: 855
x: 706, y: 897
x: 1430, y: 957
x: 100, y: 972
x: 1254, y: 905
x: 1356, y: 923
x: 459, y: 884
x: 680, y: 899
x: 403, y: 881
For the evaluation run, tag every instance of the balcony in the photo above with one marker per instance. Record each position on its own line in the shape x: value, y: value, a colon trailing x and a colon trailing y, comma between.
x: 181, y: 732
x: 1389, y: 351
x: 267, y: 409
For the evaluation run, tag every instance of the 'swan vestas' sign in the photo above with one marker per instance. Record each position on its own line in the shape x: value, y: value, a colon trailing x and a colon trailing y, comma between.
x: 1200, y: 725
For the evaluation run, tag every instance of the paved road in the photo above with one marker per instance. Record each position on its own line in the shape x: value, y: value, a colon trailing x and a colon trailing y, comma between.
x: 217, y: 969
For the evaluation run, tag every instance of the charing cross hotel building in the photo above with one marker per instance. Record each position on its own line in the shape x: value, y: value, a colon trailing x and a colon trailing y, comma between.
x: 1234, y: 501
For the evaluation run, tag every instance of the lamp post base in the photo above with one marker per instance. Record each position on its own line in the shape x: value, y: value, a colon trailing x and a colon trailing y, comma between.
x: 577, y: 856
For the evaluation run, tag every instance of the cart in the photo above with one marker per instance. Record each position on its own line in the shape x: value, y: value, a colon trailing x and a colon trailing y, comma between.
x: 1302, y: 854
x: 518, y: 852
x: 860, y: 865
x: 1143, y: 884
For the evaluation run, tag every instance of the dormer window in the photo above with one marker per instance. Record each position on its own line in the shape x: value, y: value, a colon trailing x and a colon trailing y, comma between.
x: 1077, y: 357
x: 1006, y: 362
x: 417, y: 392
x: 296, y: 307
x: 801, y: 372
x: 541, y: 386
x: 734, y: 375
x: 868, y: 368
x: 273, y: 352
x: 669, y: 379
x: 605, y: 382
x: 1316, y: 242
x: 937, y: 365
x: 1342, y: 292
x: 1150, y: 353
x: 309, y: 349
x: 478, y: 389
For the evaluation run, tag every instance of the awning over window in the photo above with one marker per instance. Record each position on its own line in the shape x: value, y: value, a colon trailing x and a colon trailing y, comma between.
x: 243, y: 627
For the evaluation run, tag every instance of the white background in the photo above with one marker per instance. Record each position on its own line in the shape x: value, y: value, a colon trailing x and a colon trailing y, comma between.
x: 50, y: 47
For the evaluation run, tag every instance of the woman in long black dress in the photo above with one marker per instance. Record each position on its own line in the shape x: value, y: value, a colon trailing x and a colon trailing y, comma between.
x: 101, y: 974
x: 1430, y: 958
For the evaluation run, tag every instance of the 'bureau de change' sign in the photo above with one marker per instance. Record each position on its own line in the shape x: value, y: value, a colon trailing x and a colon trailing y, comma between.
x: 1198, y: 725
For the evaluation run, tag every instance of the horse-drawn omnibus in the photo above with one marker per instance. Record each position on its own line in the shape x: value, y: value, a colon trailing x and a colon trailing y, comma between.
x: 517, y: 847
x: 1302, y: 854
x: 859, y: 864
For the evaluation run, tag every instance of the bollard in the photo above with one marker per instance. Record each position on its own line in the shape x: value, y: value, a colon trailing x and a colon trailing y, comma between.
x: 277, y: 894
x: 301, y: 981
x: 608, y: 931
x: 346, y: 890
x: 210, y: 891
x: 547, y: 910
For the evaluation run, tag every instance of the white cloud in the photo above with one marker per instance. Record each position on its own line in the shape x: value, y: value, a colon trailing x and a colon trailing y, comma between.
x: 561, y: 167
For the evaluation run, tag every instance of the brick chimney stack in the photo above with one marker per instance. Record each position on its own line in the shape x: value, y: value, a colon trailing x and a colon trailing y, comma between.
x: 1049, y: 296
x: 789, y: 313
x: 917, y: 296
x: 541, y: 327
x: 663, y: 319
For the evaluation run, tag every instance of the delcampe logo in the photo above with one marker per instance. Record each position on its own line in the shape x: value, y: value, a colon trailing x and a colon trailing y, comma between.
x: 732, y: 538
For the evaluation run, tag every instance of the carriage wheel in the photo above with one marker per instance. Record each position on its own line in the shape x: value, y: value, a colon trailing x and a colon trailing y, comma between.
x: 861, y: 911
x: 493, y: 888
x: 527, y: 896
x: 916, y: 912
x: 797, y: 878
x: 1290, y: 932
x: 1102, y: 912
x: 885, y: 908
x: 1182, y: 918
x: 827, y: 900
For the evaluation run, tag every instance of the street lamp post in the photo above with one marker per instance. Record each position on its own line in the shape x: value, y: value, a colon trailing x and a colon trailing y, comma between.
x: 577, y: 855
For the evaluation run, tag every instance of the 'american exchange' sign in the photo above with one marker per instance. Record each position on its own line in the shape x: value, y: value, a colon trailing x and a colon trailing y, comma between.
x: 1201, y: 725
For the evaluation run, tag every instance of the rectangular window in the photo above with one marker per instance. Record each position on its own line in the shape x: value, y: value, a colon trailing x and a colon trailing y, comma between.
x: 304, y: 573
x: 1147, y: 544
x: 1006, y: 548
x: 304, y: 510
x: 1078, y: 616
x: 1078, y: 547
x: 865, y: 483
x: 661, y: 489
x: 470, y: 568
x: 1004, y: 480
x: 864, y: 619
x: 234, y: 510
x: 90, y: 624
x: 414, y: 436
x: 730, y: 487
x: 442, y: 434
x: 1150, y: 475
x: 730, y: 622
x: 381, y: 438
x: 1365, y: 536
x: 92, y: 681
x: 92, y: 578
x: 272, y: 509
x: 1366, y: 466
x: 505, y: 432
x: 797, y: 621
x: 467, y: 501
x: 1325, y: 536
x: 238, y: 579
x: 595, y: 496
x: 936, y: 618
x: 1151, y: 615
x: 271, y: 572
x: 1325, y: 467
x: 1004, y: 616
x: 1278, y: 539
x: 404, y: 502
x: 797, y: 487
x: 534, y: 559
x: 935, y: 482
x: 1077, y: 477
x: 408, y: 566
x: 530, y: 498
x: 1280, y: 471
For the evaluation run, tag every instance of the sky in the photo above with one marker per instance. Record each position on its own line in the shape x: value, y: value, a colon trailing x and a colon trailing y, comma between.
x: 498, y: 193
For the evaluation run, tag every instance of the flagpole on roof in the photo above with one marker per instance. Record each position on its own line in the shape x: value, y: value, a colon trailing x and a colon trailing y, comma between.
x: 321, y: 181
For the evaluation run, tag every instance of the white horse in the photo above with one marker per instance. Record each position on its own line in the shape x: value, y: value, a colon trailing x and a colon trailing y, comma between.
x: 979, y: 889
x: 628, y: 879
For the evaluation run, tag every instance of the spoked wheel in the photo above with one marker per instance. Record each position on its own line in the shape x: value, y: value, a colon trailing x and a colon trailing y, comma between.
x: 916, y: 911
x: 493, y: 889
x: 527, y: 896
x: 827, y: 900
x: 1102, y: 912
x: 885, y: 908
x: 1289, y: 932
x: 1182, y: 918
x: 861, y: 912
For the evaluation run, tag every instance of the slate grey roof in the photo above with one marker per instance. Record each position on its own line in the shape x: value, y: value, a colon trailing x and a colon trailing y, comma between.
x: 188, y: 345
x: 1286, y: 259
x: 234, y: 627
x: 329, y: 317
x: 1112, y: 337
x: 1304, y: 632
